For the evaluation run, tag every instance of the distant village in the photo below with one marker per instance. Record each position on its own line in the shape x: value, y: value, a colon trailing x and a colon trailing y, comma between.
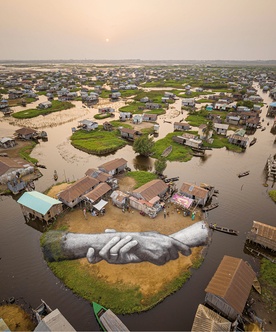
x: 231, y: 105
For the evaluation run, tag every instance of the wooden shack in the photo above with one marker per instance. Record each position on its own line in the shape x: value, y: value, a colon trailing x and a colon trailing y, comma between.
x: 73, y: 195
x: 229, y: 288
x: 37, y: 205
x: 263, y: 235
x: 114, y: 167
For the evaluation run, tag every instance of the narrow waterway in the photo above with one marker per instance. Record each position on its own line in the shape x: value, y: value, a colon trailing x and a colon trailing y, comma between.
x: 23, y: 272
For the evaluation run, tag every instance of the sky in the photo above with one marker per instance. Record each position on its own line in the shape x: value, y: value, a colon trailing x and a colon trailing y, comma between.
x: 137, y: 29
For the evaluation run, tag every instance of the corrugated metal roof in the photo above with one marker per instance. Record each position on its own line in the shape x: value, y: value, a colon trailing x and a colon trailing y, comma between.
x: 7, y: 163
x: 78, y: 188
x: 194, y: 190
x: 37, y: 201
x: 232, y: 282
x: 207, y: 320
x: 113, y: 164
x: 98, y: 192
x: 151, y: 189
x: 263, y: 230
x: 55, y: 321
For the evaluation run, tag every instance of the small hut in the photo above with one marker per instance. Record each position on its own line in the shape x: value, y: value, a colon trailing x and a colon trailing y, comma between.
x: 229, y: 288
x: 262, y: 234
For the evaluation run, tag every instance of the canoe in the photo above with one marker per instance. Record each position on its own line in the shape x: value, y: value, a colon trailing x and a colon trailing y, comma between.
x: 107, y: 320
x: 223, y: 229
x: 167, y: 151
x: 210, y: 207
x: 254, y: 140
x: 42, y: 311
x: 257, y: 286
x: 243, y: 174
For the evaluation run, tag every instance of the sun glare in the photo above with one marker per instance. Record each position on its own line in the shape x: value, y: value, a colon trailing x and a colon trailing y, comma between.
x: 107, y: 40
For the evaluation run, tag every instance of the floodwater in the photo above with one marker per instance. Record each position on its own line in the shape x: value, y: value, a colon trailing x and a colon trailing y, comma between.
x: 23, y: 272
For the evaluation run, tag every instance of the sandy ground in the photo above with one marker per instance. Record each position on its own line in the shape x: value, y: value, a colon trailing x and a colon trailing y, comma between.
x: 149, y: 277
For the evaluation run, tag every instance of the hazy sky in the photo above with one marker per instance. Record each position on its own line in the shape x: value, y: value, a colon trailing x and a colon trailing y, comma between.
x: 138, y: 29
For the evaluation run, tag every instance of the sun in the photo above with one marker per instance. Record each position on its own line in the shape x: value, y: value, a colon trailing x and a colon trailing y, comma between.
x: 107, y: 40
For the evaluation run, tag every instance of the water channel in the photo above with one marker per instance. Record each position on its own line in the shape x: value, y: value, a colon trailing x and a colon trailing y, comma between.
x: 24, y: 273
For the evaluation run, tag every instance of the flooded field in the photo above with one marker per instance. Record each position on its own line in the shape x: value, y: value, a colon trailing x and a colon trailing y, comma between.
x: 25, y: 274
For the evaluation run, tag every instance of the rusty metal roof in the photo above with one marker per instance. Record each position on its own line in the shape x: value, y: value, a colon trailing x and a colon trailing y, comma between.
x: 151, y: 189
x: 263, y: 230
x: 98, y: 192
x: 193, y: 190
x: 78, y: 189
x: 206, y: 320
x: 113, y: 164
x: 232, y: 282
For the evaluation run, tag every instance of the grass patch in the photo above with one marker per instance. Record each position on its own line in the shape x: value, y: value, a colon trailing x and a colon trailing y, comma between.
x: 97, y: 142
x: 179, y: 151
x: 142, y: 177
x: 56, y: 107
x: 103, y: 116
x: 272, y: 195
x: 25, y: 152
x: 268, y: 282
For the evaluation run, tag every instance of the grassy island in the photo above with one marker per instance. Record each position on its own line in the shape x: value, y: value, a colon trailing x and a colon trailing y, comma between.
x: 124, y: 288
x: 98, y: 142
x: 32, y: 113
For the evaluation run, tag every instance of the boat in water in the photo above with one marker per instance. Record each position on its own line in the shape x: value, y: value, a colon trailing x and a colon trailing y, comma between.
x: 243, y: 174
x: 210, y: 207
x: 107, y: 320
x: 42, y: 311
x: 223, y: 229
x: 254, y: 140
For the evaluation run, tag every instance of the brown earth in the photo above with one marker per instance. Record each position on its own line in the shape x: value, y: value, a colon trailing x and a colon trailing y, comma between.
x: 114, y: 218
x: 16, y: 318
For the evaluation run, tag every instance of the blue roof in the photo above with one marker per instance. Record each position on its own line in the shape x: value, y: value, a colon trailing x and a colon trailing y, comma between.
x: 37, y: 201
x: 273, y: 104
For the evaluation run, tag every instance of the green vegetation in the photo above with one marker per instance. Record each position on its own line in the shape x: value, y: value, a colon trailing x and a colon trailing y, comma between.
x: 26, y: 151
x: 56, y: 107
x: 160, y: 165
x: 179, y: 151
x: 97, y: 142
x: 143, y: 145
x: 120, y: 298
x: 142, y: 177
x: 268, y: 282
x: 272, y: 195
x: 103, y: 116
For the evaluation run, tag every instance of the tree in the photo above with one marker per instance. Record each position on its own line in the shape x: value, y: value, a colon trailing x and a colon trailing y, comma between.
x: 208, y: 129
x: 143, y: 145
x: 160, y: 165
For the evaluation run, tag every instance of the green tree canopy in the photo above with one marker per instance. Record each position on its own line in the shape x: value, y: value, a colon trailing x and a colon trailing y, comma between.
x: 143, y: 145
x: 160, y: 165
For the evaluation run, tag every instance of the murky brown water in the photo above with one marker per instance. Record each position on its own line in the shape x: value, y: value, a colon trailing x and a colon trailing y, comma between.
x: 23, y: 272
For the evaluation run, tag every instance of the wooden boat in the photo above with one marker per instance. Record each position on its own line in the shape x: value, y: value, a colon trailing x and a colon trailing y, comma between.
x: 167, y: 180
x: 198, y: 153
x: 254, y: 140
x: 55, y: 175
x: 210, y: 207
x: 223, y: 229
x: 257, y: 286
x: 107, y: 320
x: 42, y: 311
x: 243, y: 174
x: 41, y: 166
x: 167, y: 151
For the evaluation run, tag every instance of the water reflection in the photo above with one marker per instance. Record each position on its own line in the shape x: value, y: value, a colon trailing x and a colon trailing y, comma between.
x: 142, y: 163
